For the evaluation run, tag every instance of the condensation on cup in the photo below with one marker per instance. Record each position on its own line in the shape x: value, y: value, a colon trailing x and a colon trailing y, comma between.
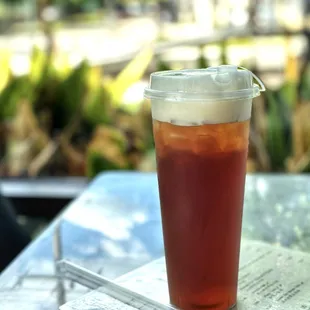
x: 201, y: 129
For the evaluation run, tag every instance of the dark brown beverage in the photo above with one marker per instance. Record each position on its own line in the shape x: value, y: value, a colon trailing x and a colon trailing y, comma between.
x: 201, y: 173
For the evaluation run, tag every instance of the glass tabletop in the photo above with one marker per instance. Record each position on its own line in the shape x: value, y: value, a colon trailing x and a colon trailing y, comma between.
x: 114, y: 227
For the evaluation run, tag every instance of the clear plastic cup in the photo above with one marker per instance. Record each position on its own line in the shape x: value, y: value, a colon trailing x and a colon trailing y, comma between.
x: 201, y: 130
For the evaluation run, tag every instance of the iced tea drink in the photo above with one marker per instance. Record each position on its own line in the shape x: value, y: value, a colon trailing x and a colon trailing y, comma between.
x: 201, y: 173
x: 201, y: 131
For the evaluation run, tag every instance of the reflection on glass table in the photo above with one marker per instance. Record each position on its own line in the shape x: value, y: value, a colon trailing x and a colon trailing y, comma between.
x: 114, y: 227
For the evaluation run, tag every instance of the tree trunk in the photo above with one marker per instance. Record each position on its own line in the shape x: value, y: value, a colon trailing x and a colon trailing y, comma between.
x: 46, y: 26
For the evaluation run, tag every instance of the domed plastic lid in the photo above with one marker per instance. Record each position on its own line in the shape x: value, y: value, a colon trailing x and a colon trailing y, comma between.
x: 226, y: 82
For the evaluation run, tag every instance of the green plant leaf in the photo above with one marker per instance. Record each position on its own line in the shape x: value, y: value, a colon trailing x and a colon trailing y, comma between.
x: 70, y: 95
x: 5, y: 72
x: 289, y: 91
x: 18, y: 88
x: 276, y: 142
x: 37, y: 65
x: 98, y: 109
x: 62, y: 65
x: 131, y: 74
x: 305, y: 84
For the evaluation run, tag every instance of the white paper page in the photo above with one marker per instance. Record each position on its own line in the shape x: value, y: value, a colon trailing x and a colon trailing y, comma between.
x: 270, y: 278
x: 96, y: 301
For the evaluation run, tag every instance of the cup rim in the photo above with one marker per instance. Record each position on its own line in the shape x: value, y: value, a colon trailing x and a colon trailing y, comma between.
x: 179, y: 96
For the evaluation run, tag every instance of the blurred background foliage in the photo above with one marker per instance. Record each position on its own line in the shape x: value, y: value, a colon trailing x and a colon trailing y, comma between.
x: 63, y: 119
x: 59, y: 120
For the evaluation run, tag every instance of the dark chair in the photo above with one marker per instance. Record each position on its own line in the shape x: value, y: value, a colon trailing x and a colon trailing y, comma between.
x: 13, y: 238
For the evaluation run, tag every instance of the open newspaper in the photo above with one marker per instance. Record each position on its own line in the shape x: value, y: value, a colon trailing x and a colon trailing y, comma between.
x: 270, y: 278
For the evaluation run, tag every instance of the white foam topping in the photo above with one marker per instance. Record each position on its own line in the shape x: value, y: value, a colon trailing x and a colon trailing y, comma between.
x: 194, y: 97
x: 195, y: 113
